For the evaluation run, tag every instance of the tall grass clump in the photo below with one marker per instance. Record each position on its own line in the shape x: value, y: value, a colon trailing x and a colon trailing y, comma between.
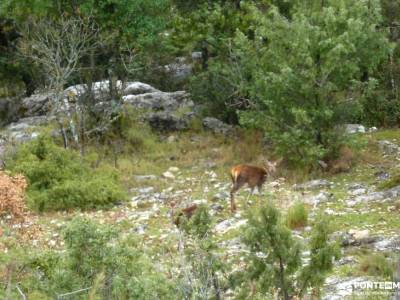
x: 297, y: 216
x: 61, y: 179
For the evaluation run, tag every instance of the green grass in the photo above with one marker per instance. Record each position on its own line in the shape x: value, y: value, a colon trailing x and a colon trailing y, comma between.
x: 297, y: 216
x: 376, y: 265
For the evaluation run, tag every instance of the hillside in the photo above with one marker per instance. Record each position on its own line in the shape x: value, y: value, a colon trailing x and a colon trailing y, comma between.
x: 190, y: 167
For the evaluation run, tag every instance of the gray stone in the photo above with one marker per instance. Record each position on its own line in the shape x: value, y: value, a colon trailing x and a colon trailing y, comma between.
x: 36, y: 105
x: 221, y: 195
x: 166, y: 121
x: 216, y: 207
x: 160, y: 100
x: 388, y: 147
x: 373, y: 129
x: 354, y: 128
x: 313, y: 185
x: 173, y: 169
x: 338, y: 288
x: 347, y: 260
x: 141, y: 229
x: 171, y: 139
x: 168, y: 175
x: 23, y: 129
x: 382, y: 175
x: 144, y: 177
x: 388, y: 244
x: 389, y: 194
x: 229, y: 224
x: 99, y: 89
x: 217, y: 126
x: 136, y: 88
x: 357, y: 192
x: 146, y: 190
x: 196, y: 55
x: 321, y: 197
x: 355, y: 237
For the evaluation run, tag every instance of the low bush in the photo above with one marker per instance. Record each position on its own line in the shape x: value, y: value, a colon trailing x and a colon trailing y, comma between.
x: 61, y: 179
x: 96, y: 257
x: 274, y: 262
x: 376, y: 265
x: 297, y: 216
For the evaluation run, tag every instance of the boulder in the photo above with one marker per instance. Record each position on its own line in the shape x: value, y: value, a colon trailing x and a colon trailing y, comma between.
x: 354, y: 128
x: 166, y: 121
x: 180, y: 69
x: 355, y: 237
x: 388, y: 147
x: 136, y: 88
x: 388, y: 194
x: 37, y: 104
x: 388, y: 244
x: 23, y: 130
x: 100, y: 90
x: 160, y: 100
x: 217, y: 126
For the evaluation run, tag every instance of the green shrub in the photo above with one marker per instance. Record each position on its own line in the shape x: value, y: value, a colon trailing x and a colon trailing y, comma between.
x: 376, y: 265
x: 297, y: 215
x: 61, y: 179
x: 95, y: 256
x: 274, y: 259
x: 199, y: 224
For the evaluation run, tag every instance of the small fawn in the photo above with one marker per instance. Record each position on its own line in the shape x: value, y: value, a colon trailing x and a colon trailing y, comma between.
x: 252, y: 175
x: 186, y: 212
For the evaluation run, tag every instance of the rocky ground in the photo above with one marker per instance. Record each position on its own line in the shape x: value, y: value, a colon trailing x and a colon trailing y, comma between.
x: 364, y: 217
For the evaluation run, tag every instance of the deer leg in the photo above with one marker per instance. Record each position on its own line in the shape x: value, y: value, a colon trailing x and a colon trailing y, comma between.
x: 259, y: 188
x: 250, y: 194
x: 236, y: 186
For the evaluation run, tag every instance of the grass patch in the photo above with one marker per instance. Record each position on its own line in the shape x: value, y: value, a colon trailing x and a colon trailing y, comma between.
x: 297, y: 215
x: 376, y: 265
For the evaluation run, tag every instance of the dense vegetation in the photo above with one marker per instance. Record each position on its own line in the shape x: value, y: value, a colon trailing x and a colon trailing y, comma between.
x: 294, y: 70
x: 61, y: 179
x: 288, y: 74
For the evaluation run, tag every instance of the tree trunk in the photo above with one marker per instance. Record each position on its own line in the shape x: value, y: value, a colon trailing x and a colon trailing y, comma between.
x: 282, y: 278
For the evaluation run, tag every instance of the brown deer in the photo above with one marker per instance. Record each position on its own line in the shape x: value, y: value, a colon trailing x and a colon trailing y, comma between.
x: 186, y: 212
x: 252, y: 175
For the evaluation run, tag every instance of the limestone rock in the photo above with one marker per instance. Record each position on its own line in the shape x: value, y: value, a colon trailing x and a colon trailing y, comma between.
x: 168, y: 175
x: 217, y: 126
x: 313, y: 185
x: 136, y: 88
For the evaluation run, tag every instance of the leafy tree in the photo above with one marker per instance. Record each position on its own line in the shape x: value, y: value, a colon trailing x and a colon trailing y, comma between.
x: 275, y: 259
x: 382, y: 106
x: 305, y: 71
x: 130, y: 31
